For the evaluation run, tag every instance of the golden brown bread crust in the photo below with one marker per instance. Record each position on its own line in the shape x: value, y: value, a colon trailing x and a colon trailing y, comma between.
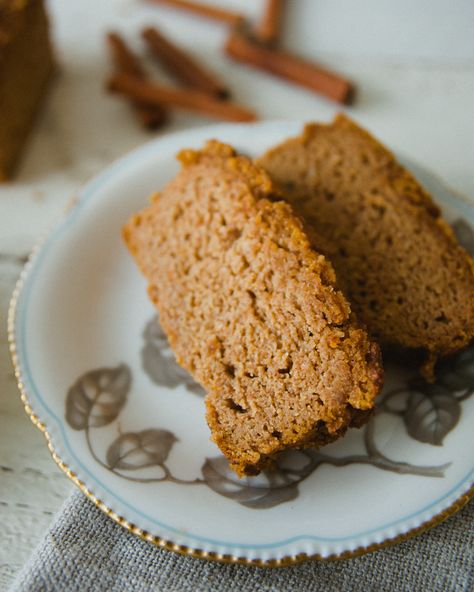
x: 26, y: 66
x: 252, y: 311
x: 395, y: 257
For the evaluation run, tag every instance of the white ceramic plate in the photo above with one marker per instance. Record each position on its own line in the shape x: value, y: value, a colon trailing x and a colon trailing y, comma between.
x: 127, y: 424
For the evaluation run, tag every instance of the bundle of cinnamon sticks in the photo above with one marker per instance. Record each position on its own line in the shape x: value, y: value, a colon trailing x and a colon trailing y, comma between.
x: 199, y: 89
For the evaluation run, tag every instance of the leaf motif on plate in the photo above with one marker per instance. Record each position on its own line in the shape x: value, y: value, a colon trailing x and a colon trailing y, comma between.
x: 432, y: 412
x: 465, y: 234
x: 264, y: 491
x: 97, y: 397
x: 137, y: 450
x: 457, y: 374
x: 159, y: 362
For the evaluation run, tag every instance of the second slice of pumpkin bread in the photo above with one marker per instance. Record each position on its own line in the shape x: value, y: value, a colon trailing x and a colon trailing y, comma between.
x: 396, y: 259
x: 252, y: 310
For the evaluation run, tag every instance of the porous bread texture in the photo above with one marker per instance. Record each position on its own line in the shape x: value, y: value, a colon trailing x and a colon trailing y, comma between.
x: 396, y: 259
x: 252, y: 311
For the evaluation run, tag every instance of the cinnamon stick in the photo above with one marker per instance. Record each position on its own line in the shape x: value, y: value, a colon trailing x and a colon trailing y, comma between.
x: 268, y: 29
x: 205, y: 10
x: 152, y: 117
x: 123, y: 58
x: 182, y: 65
x: 243, y: 49
x: 192, y: 100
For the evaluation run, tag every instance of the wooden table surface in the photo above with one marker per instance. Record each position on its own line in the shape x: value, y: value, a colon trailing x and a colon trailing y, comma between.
x: 416, y: 92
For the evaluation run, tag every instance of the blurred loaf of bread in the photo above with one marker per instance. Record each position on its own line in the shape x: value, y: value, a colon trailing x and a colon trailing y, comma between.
x: 26, y: 65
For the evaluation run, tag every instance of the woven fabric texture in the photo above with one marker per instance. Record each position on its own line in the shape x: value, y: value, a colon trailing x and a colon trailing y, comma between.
x: 85, y: 550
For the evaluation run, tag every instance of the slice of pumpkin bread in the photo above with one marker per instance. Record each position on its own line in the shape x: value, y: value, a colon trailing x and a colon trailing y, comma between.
x: 252, y: 311
x: 396, y: 259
